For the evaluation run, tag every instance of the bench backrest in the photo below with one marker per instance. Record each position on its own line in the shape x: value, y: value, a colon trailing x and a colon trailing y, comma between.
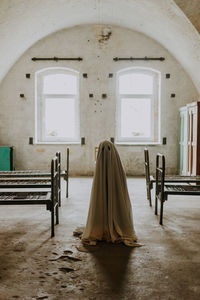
x: 160, y: 173
x: 54, y: 180
x: 146, y: 165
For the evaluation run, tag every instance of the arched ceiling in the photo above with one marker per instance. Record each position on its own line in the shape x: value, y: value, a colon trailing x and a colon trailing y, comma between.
x: 22, y: 23
x: 192, y: 10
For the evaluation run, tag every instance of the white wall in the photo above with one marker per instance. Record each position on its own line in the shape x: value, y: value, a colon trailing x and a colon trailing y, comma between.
x: 97, y: 115
x: 23, y: 23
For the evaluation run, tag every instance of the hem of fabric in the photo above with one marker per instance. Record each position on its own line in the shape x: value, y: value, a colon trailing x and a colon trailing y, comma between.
x: 126, y: 242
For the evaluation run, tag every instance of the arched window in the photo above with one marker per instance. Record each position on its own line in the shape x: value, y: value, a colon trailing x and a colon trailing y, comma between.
x: 138, y: 110
x: 57, y: 116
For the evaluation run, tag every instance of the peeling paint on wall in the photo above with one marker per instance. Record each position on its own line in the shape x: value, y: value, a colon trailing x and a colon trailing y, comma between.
x: 105, y: 35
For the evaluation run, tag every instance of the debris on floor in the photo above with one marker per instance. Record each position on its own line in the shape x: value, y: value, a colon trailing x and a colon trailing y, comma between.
x: 65, y: 258
x: 66, y: 269
x: 78, y: 232
x: 68, y: 252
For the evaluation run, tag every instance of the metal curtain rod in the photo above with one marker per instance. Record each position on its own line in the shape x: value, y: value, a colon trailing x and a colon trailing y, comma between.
x: 139, y: 58
x: 56, y: 58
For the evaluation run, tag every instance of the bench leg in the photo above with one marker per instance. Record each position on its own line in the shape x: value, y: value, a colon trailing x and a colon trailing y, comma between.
x: 59, y: 191
x: 67, y: 186
x: 156, y: 205
x: 148, y: 189
x: 161, y: 212
x: 52, y: 222
x: 57, y: 214
x: 149, y: 195
x: 59, y: 197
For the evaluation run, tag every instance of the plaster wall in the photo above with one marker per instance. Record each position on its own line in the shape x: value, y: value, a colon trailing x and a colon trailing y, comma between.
x: 97, y: 115
x: 23, y: 23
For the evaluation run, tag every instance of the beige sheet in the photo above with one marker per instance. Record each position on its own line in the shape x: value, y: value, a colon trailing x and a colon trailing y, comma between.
x: 110, y: 213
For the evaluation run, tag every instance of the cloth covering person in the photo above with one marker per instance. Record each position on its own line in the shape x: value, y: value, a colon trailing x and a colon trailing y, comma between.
x: 110, y: 212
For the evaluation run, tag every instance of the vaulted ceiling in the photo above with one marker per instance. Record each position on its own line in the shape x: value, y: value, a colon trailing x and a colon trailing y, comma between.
x: 192, y: 10
x: 23, y: 23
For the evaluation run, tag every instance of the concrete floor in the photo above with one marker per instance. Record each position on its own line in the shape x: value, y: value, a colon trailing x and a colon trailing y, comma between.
x: 34, y: 266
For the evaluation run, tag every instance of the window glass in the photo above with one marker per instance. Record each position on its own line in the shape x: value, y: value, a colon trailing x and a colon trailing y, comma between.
x: 135, y: 83
x: 135, y: 117
x: 138, y: 110
x: 60, y: 117
x: 57, y: 109
x: 60, y: 84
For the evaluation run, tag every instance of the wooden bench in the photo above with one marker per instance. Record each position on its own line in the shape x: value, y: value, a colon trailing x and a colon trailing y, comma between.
x: 32, y: 197
x: 164, y: 190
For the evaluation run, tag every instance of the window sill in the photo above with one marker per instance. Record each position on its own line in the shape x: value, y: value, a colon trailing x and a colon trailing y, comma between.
x: 138, y: 143
x: 57, y: 143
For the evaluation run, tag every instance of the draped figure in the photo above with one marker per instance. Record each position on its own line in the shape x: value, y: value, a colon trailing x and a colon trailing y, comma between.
x: 110, y: 213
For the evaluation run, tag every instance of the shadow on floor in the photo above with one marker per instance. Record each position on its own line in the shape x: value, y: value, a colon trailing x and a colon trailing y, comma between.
x: 112, y: 260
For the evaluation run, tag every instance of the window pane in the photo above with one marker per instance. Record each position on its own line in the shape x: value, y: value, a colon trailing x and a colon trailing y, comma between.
x: 136, y: 83
x: 135, y: 117
x: 60, y: 84
x: 60, y: 117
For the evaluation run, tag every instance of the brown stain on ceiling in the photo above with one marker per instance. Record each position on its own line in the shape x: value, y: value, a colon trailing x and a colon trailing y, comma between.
x: 191, y: 9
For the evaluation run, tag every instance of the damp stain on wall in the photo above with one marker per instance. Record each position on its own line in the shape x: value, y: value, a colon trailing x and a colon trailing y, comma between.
x: 41, y: 150
x: 105, y: 35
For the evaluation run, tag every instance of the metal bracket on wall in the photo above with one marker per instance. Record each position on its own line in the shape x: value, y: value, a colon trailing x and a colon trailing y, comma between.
x: 30, y: 140
x: 82, y: 140
x: 139, y: 58
x: 112, y: 140
x: 56, y: 58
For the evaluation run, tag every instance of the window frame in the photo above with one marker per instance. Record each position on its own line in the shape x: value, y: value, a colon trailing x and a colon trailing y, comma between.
x: 155, y: 107
x: 40, y: 103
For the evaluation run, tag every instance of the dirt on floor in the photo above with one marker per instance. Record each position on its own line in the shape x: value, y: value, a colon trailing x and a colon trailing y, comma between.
x: 35, y: 266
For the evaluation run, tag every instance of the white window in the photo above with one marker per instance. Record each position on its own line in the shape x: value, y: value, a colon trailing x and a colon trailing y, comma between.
x: 57, y: 116
x: 138, y: 110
